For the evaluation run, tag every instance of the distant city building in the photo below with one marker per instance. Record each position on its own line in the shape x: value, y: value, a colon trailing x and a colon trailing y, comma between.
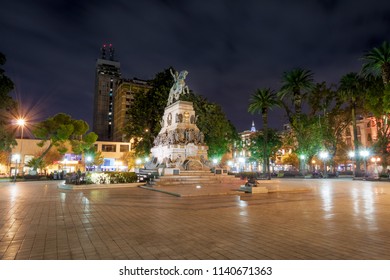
x: 241, y: 153
x: 113, y: 154
x: 107, y: 77
x: 124, y: 97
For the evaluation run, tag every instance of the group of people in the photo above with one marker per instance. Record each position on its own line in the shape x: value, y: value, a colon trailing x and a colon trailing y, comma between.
x: 73, y: 177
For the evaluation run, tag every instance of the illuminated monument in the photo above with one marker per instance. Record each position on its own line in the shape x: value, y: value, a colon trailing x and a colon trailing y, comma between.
x: 180, y: 143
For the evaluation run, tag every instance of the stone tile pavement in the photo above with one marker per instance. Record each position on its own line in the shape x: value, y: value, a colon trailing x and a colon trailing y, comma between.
x: 300, y: 219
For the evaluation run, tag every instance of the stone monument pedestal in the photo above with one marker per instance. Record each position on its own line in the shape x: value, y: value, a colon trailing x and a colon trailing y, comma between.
x: 180, y: 143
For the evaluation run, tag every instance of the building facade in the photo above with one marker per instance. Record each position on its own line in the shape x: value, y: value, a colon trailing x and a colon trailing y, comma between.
x: 126, y: 91
x: 107, y: 76
x: 113, y: 154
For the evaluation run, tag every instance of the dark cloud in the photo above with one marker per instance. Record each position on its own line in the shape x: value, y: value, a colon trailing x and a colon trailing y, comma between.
x: 230, y: 48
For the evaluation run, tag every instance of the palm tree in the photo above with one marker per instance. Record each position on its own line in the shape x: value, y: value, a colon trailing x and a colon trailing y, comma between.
x: 296, y: 83
x: 377, y: 61
x: 36, y: 164
x: 262, y: 101
x: 351, y: 90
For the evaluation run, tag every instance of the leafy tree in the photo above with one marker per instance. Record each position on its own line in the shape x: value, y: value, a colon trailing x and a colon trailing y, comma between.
x: 262, y: 101
x: 375, y: 104
x: 351, y: 90
x: 97, y: 157
x: 377, y: 61
x: 272, y: 142
x: 308, y: 137
x: 60, y: 129
x: 296, y: 84
x: 7, y: 104
x: 83, y: 145
x: 146, y: 111
x: 327, y: 105
x: 218, y: 130
x: 37, y: 164
x: 290, y: 159
x: 4, y: 158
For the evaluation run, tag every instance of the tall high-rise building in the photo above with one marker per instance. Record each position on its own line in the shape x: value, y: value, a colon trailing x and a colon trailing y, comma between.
x: 124, y: 97
x: 107, y: 76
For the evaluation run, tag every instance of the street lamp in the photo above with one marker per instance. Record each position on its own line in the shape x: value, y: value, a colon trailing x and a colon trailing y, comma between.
x: 241, y: 160
x: 364, y: 154
x: 375, y: 160
x: 138, y: 162
x: 21, y: 123
x: 88, y: 160
x: 15, y: 158
x: 302, y: 157
x: 65, y: 161
x: 324, y: 156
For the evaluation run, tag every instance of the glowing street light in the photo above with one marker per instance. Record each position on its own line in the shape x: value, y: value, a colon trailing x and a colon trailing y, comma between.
x: 88, y: 161
x: 241, y: 160
x: 21, y: 123
x: 302, y: 158
x: 324, y: 156
x: 375, y: 160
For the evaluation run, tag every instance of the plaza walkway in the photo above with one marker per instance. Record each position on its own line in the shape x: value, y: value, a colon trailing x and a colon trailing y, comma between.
x: 300, y: 219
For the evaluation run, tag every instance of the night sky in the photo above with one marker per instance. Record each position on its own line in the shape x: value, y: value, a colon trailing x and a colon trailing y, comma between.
x: 229, y: 48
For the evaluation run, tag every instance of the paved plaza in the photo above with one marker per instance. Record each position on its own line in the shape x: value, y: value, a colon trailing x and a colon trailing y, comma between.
x: 299, y: 219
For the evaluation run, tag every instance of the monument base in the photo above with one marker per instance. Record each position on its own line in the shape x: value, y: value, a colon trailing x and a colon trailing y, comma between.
x: 177, y: 155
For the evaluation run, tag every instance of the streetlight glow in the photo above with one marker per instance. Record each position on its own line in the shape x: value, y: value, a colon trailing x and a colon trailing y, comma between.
x: 324, y: 155
x: 21, y: 122
x: 364, y: 153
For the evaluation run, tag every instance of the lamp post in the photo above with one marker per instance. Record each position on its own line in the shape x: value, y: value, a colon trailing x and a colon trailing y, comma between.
x: 241, y: 160
x: 375, y: 160
x: 351, y: 154
x: 364, y: 154
x: 138, y: 162
x: 302, y: 158
x: 21, y: 123
x: 88, y: 160
x: 324, y: 156
x: 65, y: 161
x: 15, y: 158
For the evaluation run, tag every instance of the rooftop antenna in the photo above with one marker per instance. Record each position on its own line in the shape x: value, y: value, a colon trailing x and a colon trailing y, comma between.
x: 112, y: 50
x: 103, y: 51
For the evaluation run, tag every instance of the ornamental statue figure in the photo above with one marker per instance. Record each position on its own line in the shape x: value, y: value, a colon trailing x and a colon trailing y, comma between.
x: 179, y: 87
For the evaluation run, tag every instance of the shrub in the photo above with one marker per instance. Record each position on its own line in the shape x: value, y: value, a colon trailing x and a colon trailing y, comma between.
x: 111, y: 178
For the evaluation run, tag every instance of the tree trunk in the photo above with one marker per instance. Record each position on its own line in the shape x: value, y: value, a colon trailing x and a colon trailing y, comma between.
x: 265, y: 135
x: 355, y: 139
x: 45, y: 152
x: 386, y: 73
x: 297, y: 102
